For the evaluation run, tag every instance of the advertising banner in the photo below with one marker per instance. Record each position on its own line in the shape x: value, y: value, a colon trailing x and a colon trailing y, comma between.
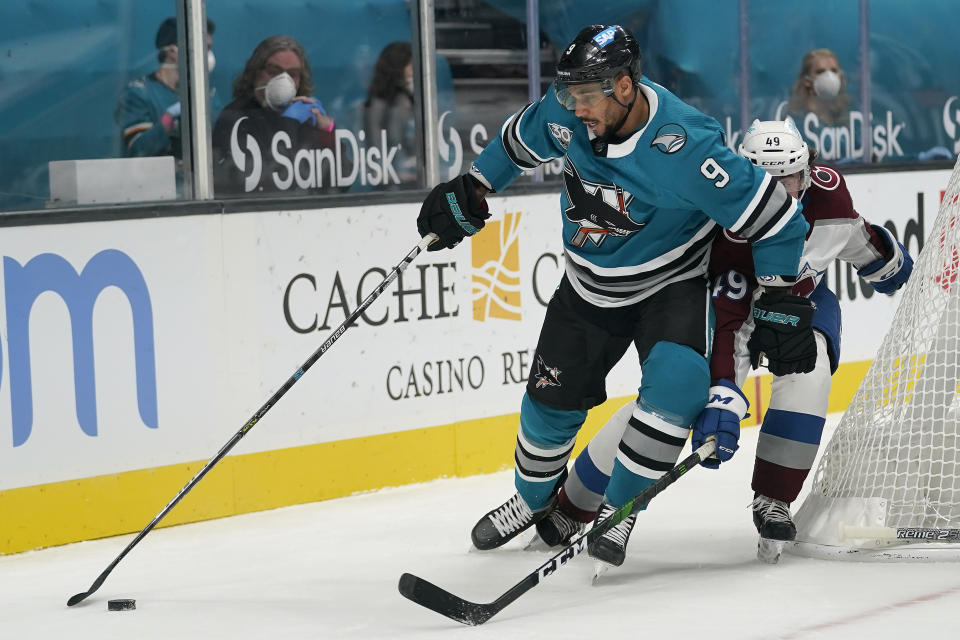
x: 134, y: 344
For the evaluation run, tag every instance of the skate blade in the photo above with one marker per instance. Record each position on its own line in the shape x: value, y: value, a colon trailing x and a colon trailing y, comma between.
x: 599, y: 569
x: 769, y: 551
x: 536, y: 543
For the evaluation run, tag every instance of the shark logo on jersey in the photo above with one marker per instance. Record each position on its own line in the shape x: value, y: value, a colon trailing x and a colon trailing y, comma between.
x: 670, y: 138
x: 562, y: 134
x: 546, y: 376
x: 599, y: 209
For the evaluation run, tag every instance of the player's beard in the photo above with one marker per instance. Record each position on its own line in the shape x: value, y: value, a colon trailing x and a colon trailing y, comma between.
x: 600, y: 126
x: 605, y: 130
x: 604, y: 125
x: 587, y: 122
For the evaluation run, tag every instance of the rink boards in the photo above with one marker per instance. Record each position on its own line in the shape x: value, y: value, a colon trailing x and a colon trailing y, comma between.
x: 133, y: 350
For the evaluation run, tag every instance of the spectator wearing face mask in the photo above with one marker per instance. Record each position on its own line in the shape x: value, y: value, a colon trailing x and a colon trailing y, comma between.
x: 820, y: 88
x: 148, y: 111
x: 389, y: 107
x: 273, y: 116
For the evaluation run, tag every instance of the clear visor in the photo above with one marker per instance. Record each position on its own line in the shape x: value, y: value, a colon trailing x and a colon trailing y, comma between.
x: 580, y: 96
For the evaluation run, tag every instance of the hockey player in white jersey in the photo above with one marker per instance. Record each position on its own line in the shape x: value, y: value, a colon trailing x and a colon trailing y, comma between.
x: 793, y: 424
x: 648, y: 181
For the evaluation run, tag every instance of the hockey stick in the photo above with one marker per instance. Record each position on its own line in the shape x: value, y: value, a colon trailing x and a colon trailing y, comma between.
x: 397, y: 270
x: 456, y: 608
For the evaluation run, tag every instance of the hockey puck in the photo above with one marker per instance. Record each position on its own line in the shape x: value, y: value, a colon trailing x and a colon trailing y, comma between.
x: 121, y: 605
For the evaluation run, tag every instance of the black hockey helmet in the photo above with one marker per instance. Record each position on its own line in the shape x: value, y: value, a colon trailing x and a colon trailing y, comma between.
x: 598, y: 54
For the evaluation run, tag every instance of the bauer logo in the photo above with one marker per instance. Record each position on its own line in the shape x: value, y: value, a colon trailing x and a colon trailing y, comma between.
x: 49, y: 272
x: 495, y: 275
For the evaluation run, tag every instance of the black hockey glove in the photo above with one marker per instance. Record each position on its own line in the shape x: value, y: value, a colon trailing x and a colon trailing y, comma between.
x: 783, y: 332
x: 453, y: 211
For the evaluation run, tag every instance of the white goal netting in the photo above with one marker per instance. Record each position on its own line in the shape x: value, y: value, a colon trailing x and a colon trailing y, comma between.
x: 888, y: 483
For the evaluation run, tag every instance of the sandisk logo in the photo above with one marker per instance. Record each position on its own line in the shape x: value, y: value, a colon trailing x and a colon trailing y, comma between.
x: 239, y: 156
x: 352, y: 159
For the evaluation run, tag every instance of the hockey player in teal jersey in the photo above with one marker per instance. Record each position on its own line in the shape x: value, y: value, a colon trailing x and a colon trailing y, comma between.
x: 648, y: 181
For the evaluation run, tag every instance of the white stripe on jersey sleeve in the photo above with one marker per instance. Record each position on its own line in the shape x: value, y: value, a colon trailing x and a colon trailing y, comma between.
x: 782, y: 222
x: 742, y: 220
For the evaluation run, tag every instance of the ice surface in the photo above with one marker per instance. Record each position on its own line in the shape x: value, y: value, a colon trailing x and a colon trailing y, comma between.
x: 330, y: 570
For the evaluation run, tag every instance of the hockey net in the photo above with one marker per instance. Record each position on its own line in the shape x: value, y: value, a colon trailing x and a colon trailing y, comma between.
x: 888, y: 483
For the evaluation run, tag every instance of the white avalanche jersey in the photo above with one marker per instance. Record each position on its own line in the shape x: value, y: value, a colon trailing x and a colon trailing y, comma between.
x: 837, y: 231
x: 645, y: 214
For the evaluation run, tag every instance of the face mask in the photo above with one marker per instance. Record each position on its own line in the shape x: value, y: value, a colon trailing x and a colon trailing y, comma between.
x: 279, y: 91
x: 211, y: 60
x: 409, y: 85
x: 168, y: 52
x: 827, y: 85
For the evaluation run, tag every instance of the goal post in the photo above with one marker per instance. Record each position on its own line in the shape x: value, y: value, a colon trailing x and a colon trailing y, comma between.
x: 888, y: 483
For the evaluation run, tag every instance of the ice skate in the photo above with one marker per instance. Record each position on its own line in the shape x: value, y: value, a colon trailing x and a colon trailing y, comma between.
x: 769, y: 551
x: 559, y: 528
x: 775, y: 526
x: 510, y: 519
x: 506, y: 522
x: 611, y: 547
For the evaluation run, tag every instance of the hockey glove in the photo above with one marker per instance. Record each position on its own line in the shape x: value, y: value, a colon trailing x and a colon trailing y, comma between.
x: 725, y: 408
x: 886, y: 275
x: 783, y: 332
x: 453, y: 211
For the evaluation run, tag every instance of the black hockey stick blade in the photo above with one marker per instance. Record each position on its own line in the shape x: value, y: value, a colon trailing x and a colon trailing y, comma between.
x: 79, y: 597
x: 429, y: 595
x: 437, y: 599
x: 442, y: 601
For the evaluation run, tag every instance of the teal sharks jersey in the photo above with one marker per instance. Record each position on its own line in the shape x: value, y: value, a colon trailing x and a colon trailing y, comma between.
x: 644, y: 214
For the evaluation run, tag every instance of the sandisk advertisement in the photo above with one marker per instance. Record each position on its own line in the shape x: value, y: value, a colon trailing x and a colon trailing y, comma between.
x: 133, y: 344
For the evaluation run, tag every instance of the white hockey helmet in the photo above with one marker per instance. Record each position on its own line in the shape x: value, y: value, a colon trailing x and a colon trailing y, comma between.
x: 778, y: 148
